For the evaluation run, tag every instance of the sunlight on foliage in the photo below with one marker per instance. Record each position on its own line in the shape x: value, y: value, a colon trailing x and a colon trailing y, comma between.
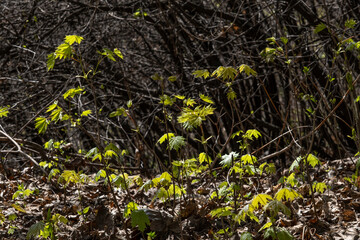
x: 319, y: 187
x: 166, y: 136
x: 248, y: 159
x: 201, y: 73
x: 312, y: 160
x: 206, y: 99
x: 260, y: 200
x: 248, y: 70
x: 4, y: 111
x: 228, y: 159
x: 192, y: 118
x: 72, y: 92
x: 226, y: 73
x: 287, y: 194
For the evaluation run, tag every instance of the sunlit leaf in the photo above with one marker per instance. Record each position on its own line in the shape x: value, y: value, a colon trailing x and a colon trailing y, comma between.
x: 166, y: 136
x: 86, y: 113
x: 248, y: 70
x: 260, y: 200
x: 206, y: 99
x: 201, y: 73
x: 287, y: 194
x: 118, y: 53
x: 228, y: 159
x: 248, y: 159
x: 177, y: 142
x: 312, y: 160
x: 70, y: 39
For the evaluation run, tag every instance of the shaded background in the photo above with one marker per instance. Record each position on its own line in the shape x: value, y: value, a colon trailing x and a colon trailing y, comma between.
x: 175, y: 38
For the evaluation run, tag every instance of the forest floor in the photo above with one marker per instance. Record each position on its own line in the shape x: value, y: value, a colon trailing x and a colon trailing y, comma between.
x: 337, y: 209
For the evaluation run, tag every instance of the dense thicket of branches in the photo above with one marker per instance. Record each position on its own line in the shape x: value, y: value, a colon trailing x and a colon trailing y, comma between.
x: 175, y: 38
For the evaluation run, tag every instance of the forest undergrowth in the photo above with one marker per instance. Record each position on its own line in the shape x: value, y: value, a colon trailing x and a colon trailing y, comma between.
x: 105, y: 192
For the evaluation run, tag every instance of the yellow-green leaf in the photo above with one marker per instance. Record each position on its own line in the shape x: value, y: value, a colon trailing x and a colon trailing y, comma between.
x: 166, y: 136
x: 312, y: 160
x: 18, y: 208
x: 70, y: 39
x: 206, y: 99
x: 86, y: 113
x: 248, y: 159
x: 287, y: 194
x: 118, y: 53
x: 260, y: 200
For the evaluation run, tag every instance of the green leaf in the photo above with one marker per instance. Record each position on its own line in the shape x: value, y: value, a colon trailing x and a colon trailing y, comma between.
x: 272, y: 40
x: 108, y: 53
x: 206, y: 99
x: 4, y: 111
x: 319, y: 27
x: 18, y: 208
x: 295, y: 164
x: 118, y: 53
x: 86, y: 113
x: 140, y: 219
x: 100, y: 174
x: 312, y: 160
x: 225, y: 73
x: 260, y: 199
x: 131, y: 206
x: 35, y: 229
x: 201, y: 73
x: 292, y: 180
x: 221, y: 212
x: 177, y: 142
x: 227, y: 159
x: 63, y: 51
x: 147, y: 185
x: 231, y: 94
x: 167, y: 100
x: 275, y: 206
x: 56, y: 114
x: 203, y: 157
x: 172, y: 79
x: 166, y: 136
x: 119, y: 112
x: 50, y: 63
x: 287, y: 194
x: 181, y: 97
x: 41, y: 124
x: 236, y: 134
x: 284, y: 40
x: 165, y: 178
x: 110, y: 153
x: 189, y: 102
x: 252, y: 133
x: 350, y: 23
x: 176, y: 190
x: 281, y: 234
x: 246, y: 236
x: 248, y: 70
x: 266, y: 225
x: 70, y: 39
x: 192, y: 118
x: 248, y: 159
x: 319, y: 187
x: 72, y: 92
x: 270, y: 169
x: 92, y: 152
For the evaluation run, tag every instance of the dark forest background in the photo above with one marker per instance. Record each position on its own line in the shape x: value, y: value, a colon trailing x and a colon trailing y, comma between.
x: 303, y: 98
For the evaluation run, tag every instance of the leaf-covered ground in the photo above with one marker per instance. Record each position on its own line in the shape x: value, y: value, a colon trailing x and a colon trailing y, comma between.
x: 337, y: 208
